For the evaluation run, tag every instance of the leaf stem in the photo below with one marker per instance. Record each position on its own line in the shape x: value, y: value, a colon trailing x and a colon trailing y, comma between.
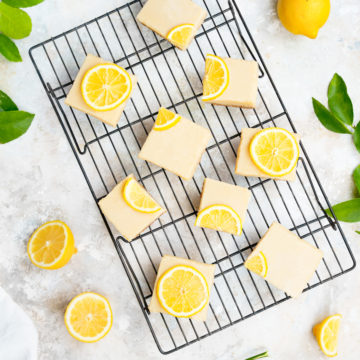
x: 259, y: 356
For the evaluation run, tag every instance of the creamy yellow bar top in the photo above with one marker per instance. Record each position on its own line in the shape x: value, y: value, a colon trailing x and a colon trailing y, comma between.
x: 167, y: 262
x: 75, y: 99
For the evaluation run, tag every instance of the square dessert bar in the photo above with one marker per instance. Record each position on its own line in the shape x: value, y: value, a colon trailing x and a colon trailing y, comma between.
x: 129, y: 222
x: 75, y: 99
x: 162, y: 16
x: 291, y: 261
x: 167, y: 262
x: 177, y: 149
x: 244, y: 164
x: 220, y: 193
x: 243, y: 84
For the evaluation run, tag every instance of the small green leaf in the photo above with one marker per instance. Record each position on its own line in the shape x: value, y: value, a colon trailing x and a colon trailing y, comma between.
x: 13, y: 124
x: 259, y: 356
x: 6, y: 104
x: 348, y: 211
x: 14, y: 23
x: 328, y: 119
x: 339, y: 101
x: 22, y: 3
x: 8, y: 49
x: 358, y: 232
x: 356, y: 137
x: 356, y: 176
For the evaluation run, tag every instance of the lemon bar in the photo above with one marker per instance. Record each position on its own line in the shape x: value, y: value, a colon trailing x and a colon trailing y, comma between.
x: 175, y: 20
x: 288, y: 261
x: 244, y: 164
x: 167, y: 262
x: 128, y: 221
x: 75, y: 99
x: 177, y: 149
x: 220, y: 193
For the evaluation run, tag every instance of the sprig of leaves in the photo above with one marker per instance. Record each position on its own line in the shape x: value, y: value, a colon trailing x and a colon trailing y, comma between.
x: 259, y: 356
x: 13, y: 123
x: 14, y: 24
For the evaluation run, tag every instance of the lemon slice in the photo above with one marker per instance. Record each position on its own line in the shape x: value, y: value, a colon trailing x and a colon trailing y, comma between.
x: 88, y: 317
x: 106, y: 86
x: 51, y: 246
x: 220, y: 218
x: 165, y: 120
x: 274, y: 151
x: 181, y: 35
x: 326, y: 334
x: 138, y: 198
x: 216, y: 78
x: 257, y: 264
x: 182, y: 291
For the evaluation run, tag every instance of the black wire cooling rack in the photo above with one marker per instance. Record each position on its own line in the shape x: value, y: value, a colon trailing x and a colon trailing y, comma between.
x: 172, y: 78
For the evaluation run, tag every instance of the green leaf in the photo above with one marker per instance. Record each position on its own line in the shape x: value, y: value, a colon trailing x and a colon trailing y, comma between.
x: 339, y: 101
x: 259, y: 356
x: 14, y: 23
x: 6, y: 104
x: 356, y: 137
x: 13, y: 124
x: 328, y: 119
x: 356, y: 176
x: 22, y: 3
x: 358, y: 232
x: 8, y: 49
x: 347, y: 211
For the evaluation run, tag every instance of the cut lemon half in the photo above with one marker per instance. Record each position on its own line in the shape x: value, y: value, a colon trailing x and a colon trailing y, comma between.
x: 274, y: 151
x: 88, y: 317
x: 166, y: 119
x: 138, y: 198
x: 216, y: 78
x: 106, y: 86
x: 220, y: 218
x: 257, y: 264
x: 181, y: 35
x: 51, y: 246
x: 326, y: 334
x: 182, y: 291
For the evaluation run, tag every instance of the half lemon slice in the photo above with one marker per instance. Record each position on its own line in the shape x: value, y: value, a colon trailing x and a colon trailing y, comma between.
x: 274, y: 151
x: 106, y: 86
x: 220, y: 218
x: 216, y: 78
x: 181, y: 35
x: 182, y: 291
x: 166, y: 119
x: 257, y: 264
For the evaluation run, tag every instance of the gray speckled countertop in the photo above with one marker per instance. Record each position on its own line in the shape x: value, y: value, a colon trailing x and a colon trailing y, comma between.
x: 40, y: 180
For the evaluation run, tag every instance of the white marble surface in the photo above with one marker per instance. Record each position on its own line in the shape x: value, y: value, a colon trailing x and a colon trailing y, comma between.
x: 40, y: 180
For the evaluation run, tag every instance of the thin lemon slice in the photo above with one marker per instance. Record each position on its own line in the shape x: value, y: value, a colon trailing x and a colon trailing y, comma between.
x: 257, y: 264
x: 88, y: 317
x: 138, y: 198
x: 106, y: 86
x: 181, y: 35
x: 274, y: 151
x: 165, y: 120
x: 216, y: 78
x: 326, y: 334
x: 51, y: 246
x: 220, y: 218
x: 182, y: 291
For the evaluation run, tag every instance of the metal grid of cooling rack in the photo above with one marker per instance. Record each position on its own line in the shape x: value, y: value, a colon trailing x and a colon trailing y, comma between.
x: 171, y: 78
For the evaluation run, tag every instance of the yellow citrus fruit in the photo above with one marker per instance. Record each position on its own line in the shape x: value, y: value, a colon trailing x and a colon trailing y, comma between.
x: 166, y: 119
x: 216, y: 78
x: 181, y: 35
x: 88, y: 317
x: 274, y: 151
x: 326, y: 334
x: 106, y: 86
x: 303, y: 17
x: 182, y: 291
x: 51, y: 246
x: 138, y: 198
x: 257, y: 264
x: 220, y: 218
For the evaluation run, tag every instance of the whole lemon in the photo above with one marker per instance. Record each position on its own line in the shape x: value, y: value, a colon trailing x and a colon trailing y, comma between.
x: 303, y: 17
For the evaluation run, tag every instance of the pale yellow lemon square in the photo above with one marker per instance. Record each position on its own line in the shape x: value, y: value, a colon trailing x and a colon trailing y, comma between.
x: 75, y: 99
x: 129, y: 222
x: 244, y: 164
x: 167, y: 262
